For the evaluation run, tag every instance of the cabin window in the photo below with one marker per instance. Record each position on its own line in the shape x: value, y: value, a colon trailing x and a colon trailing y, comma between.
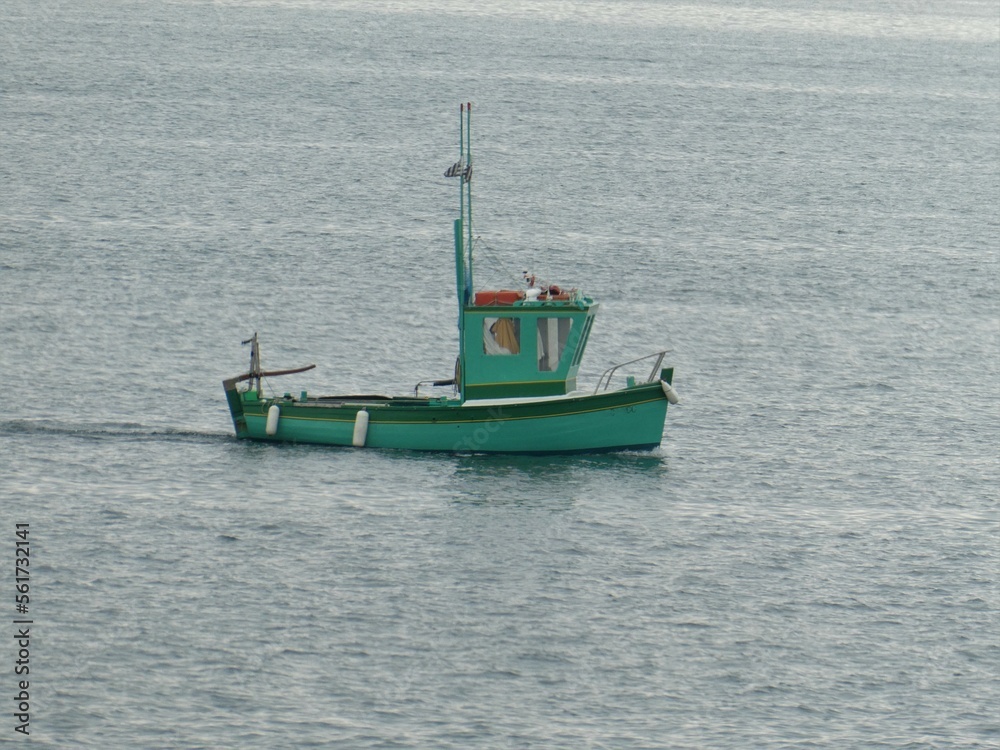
x: 502, y: 336
x: 582, y: 343
x: 553, y: 333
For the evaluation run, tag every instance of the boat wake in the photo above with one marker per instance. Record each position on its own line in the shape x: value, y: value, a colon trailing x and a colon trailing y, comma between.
x: 104, y: 430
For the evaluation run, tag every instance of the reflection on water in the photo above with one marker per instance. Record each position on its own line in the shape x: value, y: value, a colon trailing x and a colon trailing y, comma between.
x: 553, y: 481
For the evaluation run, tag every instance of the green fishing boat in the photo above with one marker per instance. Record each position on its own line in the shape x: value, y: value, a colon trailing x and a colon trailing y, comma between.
x: 514, y: 388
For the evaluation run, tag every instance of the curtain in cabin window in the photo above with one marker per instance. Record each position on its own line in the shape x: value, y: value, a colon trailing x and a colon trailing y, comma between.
x: 502, y: 336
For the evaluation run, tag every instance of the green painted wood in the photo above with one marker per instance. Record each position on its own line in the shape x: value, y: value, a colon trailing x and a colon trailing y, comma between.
x: 631, y: 418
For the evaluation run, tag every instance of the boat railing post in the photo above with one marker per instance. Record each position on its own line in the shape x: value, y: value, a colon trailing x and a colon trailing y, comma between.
x: 656, y: 367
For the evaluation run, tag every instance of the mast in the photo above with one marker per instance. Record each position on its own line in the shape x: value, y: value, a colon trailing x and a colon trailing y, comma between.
x: 463, y: 232
x: 467, y: 182
x: 463, y: 225
x: 461, y: 285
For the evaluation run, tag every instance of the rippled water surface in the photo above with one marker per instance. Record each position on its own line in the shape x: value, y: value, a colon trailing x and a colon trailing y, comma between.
x: 800, y: 202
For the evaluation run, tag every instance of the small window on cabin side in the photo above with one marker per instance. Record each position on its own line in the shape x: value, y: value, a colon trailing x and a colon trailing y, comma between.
x: 501, y: 335
x: 553, y: 333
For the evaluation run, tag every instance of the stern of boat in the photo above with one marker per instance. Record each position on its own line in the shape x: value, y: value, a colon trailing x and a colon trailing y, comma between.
x: 235, y: 400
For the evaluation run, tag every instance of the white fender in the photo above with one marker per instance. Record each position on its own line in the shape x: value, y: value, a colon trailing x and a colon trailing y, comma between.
x: 669, y: 392
x: 360, y: 429
x: 273, y: 414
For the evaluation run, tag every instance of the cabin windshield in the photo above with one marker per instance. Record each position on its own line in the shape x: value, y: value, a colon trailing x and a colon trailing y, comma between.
x: 553, y: 333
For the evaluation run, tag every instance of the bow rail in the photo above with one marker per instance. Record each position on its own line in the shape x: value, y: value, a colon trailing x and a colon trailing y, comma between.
x: 605, y: 380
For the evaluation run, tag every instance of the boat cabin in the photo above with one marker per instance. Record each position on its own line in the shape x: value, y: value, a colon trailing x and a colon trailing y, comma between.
x: 516, y: 345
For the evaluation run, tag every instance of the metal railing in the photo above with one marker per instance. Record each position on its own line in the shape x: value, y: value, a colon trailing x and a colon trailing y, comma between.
x: 605, y: 380
x: 435, y: 383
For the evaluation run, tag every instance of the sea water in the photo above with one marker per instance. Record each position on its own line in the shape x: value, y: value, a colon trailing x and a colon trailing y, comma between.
x: 798, y: 199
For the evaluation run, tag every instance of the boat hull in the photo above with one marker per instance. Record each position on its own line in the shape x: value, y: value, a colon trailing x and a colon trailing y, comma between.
x: 627, y: 419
